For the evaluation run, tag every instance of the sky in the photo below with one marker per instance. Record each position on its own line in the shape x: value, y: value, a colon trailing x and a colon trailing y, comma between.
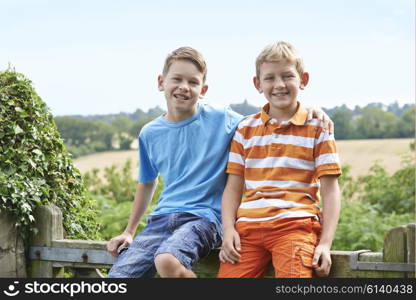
x: 100, y: 56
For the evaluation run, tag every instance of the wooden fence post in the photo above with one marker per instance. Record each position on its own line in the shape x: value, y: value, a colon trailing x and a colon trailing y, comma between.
x: 411, y: 243
x: 48, y: 222
x: 12, y: 252
x: 395, y: 249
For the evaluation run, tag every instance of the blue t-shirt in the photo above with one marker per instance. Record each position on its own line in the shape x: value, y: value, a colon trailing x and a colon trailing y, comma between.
x: 191, y: 156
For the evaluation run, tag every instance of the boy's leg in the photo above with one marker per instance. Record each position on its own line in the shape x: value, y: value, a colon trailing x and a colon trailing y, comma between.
x: 137, y: 260
x: 168, y: 266
x: 254, y: 256
x: 192, y: 238
x: 293, y: 246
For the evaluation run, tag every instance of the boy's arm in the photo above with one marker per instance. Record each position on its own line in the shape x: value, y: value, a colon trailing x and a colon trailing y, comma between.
x: 331, y: 208
x: 142, y: 198
x: 231, y: 200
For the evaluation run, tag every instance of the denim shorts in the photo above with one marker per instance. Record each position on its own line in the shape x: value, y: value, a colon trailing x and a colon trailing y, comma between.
x: 186, y: 236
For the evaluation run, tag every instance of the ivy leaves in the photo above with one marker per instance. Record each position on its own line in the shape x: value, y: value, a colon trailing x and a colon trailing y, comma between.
x: 35, y: 168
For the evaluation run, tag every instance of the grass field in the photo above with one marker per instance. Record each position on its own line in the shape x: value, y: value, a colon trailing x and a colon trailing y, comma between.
x: 360, y: 154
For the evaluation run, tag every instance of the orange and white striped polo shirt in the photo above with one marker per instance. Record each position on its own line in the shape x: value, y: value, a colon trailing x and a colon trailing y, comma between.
x: 281, y: 164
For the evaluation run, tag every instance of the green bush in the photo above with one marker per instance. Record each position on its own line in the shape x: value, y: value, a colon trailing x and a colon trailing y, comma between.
x: 35, y: 168
x: 112, y: 216
x: 86, y: 149
x: 114, y: 195
x: 373, y: 204
x: 348, y: 185
x: 390, y: 193
x: 362, y: 226
x: 116, y: 185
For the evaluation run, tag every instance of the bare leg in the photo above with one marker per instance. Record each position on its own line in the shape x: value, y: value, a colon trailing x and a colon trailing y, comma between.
x: 168, y: 266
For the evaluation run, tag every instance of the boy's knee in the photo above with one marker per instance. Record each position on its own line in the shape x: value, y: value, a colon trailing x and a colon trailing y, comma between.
x: 166, y: 260
x: 166, y: 263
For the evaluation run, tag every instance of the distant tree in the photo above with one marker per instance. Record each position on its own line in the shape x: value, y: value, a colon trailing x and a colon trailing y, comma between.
x: 137, y: 115
x: 122, y: 126
x: 78, y: 132
x: 102, y: 131
x: 155, y: 112
x: 376, y: 123
x: 121, y: 123
x: 342, y: 118
x: 357, y: 110
x: 406, y: 124
x: 395, y: 109
x: 74, y: 131
x: 136, y: 127
x: 375, y: 105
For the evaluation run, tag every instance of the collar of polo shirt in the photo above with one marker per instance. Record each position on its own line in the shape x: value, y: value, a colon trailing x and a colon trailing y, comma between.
x: 299, y: 118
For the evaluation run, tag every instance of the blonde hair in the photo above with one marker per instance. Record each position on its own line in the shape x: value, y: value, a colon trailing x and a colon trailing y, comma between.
x: 189, y: 54
x: 279, y: 51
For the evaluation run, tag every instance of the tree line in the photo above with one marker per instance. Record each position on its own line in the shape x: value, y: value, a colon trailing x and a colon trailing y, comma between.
x: 96, y: 133
x: 89, y: 134
x: 375, y: 120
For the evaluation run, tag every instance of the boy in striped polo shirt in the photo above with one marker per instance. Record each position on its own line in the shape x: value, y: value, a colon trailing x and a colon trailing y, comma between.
x: 281, y: 163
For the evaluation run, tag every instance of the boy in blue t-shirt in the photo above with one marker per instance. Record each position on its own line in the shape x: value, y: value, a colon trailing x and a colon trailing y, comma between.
x: 188, y: 147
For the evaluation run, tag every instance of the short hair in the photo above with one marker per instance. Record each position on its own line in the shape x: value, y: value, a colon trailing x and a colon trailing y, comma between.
x: 279, y: 51
x: 189, y: 54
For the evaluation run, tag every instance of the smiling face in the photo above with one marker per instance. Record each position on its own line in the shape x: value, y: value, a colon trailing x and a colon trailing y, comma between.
x: 280, y: 82
x: 183, y: 85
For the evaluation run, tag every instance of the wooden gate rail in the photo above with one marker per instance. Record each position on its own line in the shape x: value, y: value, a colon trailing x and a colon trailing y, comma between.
x: 50, y: 253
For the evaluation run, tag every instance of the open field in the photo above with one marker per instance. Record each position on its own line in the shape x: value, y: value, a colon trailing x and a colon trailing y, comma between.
x: 360, y: 154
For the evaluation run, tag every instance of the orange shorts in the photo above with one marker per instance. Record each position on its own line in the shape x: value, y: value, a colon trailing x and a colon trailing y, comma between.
x: 290, y: 244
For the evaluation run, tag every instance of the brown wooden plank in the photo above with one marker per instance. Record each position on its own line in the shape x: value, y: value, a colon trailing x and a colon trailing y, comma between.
x: 395, y: 249
x: 48, y: 222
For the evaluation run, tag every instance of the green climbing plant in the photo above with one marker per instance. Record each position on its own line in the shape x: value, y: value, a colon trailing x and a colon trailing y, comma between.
x: 35, y: 168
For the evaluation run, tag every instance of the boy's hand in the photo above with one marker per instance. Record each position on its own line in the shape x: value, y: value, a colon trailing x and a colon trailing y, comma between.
x: 321, y: 116
x: 116, y: 244
x: 230, y: 247
x: 322, y: 260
